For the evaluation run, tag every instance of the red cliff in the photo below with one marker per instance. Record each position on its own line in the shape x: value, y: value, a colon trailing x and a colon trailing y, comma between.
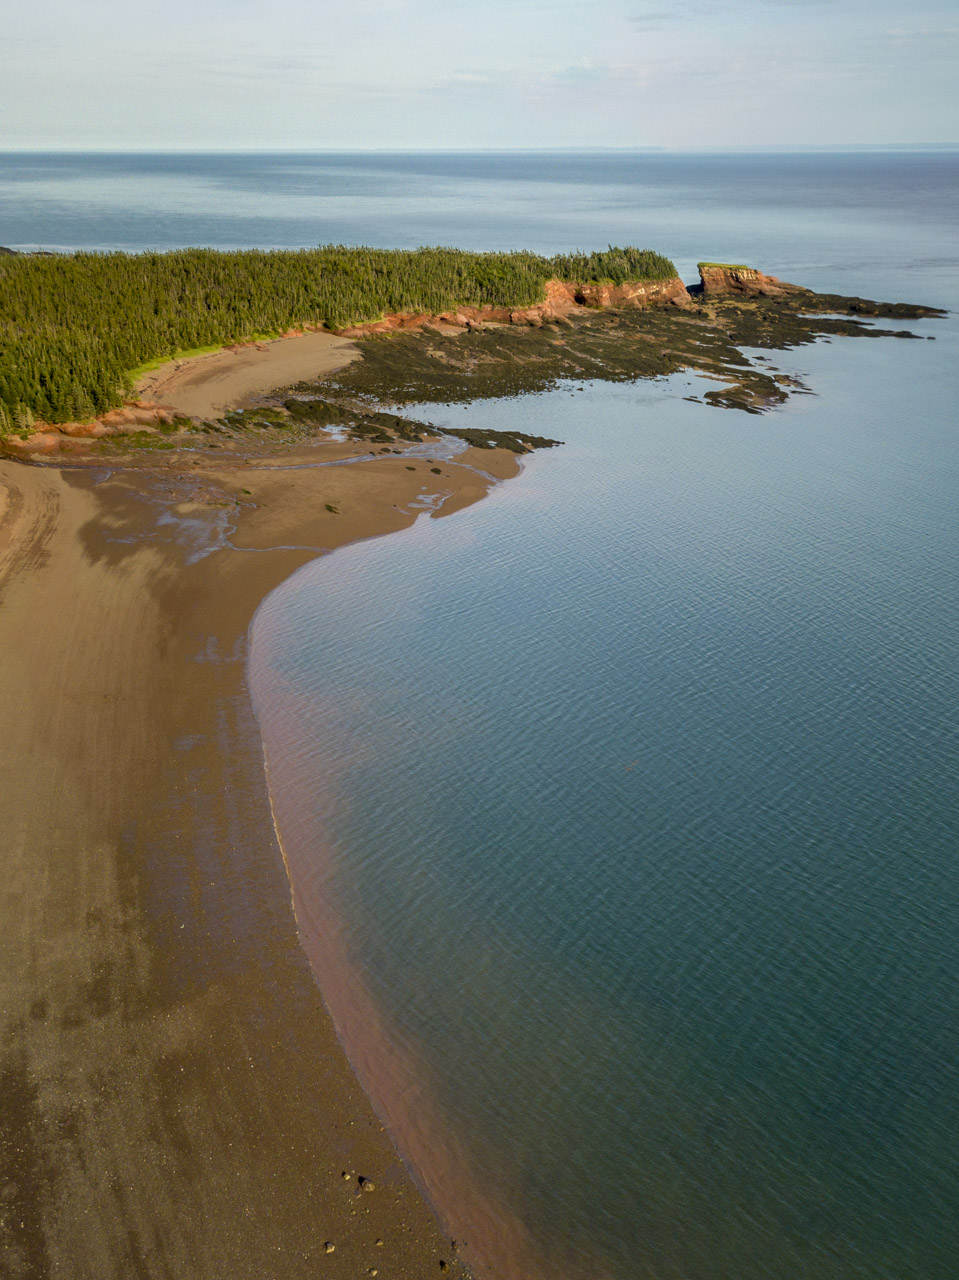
x: 562, y: 298
x: 726, y: 278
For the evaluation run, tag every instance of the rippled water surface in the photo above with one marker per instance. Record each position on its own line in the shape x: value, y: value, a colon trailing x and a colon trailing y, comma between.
x: 643, y: 820
x: 622, y: 806
x: 859, y: 216
x: 632, y: 792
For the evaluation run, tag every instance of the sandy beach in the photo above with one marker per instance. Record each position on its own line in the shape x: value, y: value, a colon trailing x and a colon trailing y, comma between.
x: 209, y: 385
x: 174, y: 1100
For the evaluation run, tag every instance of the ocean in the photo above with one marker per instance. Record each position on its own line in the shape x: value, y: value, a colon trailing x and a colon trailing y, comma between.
x: 622, y: 807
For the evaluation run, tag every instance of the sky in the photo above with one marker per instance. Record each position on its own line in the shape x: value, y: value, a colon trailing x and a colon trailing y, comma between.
x: 452, y: 74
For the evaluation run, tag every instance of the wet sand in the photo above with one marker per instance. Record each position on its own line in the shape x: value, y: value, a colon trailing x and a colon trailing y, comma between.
x: 173, y: 1099
x: 207, y: 386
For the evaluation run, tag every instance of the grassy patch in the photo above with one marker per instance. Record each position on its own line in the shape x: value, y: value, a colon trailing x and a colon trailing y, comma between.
x: 134, y: 375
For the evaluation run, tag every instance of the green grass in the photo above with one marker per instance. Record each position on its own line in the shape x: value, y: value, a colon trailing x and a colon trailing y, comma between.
x: 138, y: 440
x: 134, y: 375
x: 727, y: 266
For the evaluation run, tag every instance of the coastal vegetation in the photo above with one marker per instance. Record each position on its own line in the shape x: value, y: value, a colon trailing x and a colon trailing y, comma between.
x: 367, y: 399
x: 76, y: 329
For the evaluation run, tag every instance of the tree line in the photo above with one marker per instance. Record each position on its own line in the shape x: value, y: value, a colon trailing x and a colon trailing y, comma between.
x: 74, y: 327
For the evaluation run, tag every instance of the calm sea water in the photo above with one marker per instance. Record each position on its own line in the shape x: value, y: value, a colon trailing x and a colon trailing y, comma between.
x: 830, y: 217
x: 622, y: 807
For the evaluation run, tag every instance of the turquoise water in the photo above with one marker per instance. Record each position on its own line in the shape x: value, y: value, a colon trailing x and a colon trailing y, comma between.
x: 621, y: 807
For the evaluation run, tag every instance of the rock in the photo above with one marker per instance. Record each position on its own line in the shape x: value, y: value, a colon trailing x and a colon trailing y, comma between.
x: 328, y: 1246
x: 85, y: 430
x: 562, y: 299
x: 634, y: 293
x: 365, y: 1185
x: 737, y: 278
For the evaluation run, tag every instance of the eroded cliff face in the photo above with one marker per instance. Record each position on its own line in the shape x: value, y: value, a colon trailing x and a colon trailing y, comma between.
x: 649, y: 293
x: 728, y: 278
x: 562, y: 299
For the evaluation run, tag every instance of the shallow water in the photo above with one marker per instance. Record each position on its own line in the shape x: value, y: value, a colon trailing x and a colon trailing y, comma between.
x: 632, y: 793
x: 622, y: 806
x: 643, y: 822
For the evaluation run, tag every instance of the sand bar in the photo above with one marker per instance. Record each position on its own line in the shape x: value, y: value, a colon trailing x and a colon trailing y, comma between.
x: 173, y: 1099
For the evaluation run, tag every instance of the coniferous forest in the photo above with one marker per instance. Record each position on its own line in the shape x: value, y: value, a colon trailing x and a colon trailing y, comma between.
x: 74, y: 327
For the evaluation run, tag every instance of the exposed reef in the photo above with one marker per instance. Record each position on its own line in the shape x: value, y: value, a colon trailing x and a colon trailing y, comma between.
x: 708, y: 332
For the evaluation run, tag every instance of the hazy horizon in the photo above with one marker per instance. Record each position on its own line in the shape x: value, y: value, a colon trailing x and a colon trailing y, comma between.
x: 784, y: 149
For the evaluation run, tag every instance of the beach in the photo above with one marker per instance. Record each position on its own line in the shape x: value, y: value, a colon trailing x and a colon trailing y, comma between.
x: 631, y: 786
x: 207, y: 385
x: 174, y: 1099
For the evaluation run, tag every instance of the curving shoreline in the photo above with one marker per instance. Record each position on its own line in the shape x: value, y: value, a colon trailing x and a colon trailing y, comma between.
x: 489, y: 1235
x: 206, y: 386
x: 179, y: 1102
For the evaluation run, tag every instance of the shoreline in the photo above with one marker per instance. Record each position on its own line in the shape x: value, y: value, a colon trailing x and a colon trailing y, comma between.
x: 177, y: 1100
x: 663, y: 322
x: 180, y: 1101
x: 491, y: 1237
x: 390, y: 1073
x: 207, y: 385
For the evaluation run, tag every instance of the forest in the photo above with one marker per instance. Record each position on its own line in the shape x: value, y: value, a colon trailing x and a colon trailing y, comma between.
x: 75, y: 328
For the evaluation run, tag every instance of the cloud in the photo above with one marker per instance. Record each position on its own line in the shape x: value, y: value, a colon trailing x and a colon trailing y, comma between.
x: 654, y: 19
